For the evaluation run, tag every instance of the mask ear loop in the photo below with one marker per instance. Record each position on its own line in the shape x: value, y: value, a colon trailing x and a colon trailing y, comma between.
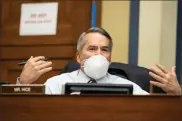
x: 80, y: 67
x: 83, y: 62
x: 83, y: 67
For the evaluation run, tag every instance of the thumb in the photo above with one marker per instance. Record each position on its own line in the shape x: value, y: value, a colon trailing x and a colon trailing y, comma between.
x: 30, y: 58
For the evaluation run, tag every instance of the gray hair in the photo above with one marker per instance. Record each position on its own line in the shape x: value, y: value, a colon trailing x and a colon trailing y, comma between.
x: 92, y: 30
x: 80, y: 41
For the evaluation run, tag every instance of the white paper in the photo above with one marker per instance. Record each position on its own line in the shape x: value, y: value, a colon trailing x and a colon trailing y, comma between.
x: 38, y: 19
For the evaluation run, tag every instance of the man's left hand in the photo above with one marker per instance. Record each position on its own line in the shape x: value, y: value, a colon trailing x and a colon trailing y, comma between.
x: 166, y: 80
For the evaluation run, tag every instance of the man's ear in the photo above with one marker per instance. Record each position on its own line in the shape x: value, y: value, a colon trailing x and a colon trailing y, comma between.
x: 78, y: 57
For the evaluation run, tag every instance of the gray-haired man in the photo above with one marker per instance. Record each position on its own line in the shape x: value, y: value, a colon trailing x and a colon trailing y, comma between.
x: 94, y: 49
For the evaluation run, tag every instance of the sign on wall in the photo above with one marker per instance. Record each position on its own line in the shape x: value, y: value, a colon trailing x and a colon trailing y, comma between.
x: 38, y: 19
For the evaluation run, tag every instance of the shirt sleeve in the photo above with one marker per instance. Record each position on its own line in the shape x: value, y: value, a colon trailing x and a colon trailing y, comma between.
x: 54, y: 85
x: 137, y: 90
x: 47, y: 89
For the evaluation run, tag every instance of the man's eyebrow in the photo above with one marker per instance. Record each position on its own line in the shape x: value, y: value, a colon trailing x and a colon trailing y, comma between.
x: 97, y: 46
x: 92, y: 46
x: 105, y: 46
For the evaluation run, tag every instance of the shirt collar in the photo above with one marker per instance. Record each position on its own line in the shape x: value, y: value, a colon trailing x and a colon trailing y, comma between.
x: 83, y: 78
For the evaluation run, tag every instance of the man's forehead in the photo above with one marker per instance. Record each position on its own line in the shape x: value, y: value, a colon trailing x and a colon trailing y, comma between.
x: 96, y: 39
x: 90, y: 44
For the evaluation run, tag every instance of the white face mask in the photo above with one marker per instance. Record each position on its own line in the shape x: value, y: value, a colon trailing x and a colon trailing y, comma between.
x: 96, y: 66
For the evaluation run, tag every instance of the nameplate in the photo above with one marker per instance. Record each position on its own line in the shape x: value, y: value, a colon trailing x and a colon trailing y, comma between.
x: 22, y: 89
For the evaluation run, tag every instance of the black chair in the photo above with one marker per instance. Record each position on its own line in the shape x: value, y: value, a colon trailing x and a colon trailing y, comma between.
x: 70, y: 66
x: 136, y: 74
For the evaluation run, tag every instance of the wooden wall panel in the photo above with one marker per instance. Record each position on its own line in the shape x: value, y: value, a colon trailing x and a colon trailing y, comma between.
x: 23, y: 52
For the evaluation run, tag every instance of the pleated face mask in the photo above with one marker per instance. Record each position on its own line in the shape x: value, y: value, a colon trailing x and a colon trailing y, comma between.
x: 96, y: 66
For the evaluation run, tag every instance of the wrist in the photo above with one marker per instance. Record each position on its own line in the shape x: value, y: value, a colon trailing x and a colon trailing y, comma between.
x: 180, y: 92
x: 176, y: 92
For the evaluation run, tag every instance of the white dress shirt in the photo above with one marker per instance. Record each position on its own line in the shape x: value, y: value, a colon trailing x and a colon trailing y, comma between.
x: 55, y: 85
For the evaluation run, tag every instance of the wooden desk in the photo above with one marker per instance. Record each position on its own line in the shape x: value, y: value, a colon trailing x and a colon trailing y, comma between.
x: 90, y: 108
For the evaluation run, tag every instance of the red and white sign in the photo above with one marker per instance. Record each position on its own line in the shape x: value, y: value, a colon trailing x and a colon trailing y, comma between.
x: 38, y: 19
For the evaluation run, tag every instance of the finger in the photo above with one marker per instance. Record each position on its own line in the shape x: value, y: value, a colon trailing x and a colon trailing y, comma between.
x: 173, y: 73
x: 35, y: 59
x: 158, y: 78
x: 40, y: 62
x: 158, y: 71
x: 162, y: 68
x: 158, y: 84
x: 32, y: 61
x: 44, y: 65
x: 29, y: 60
x: 45, y: 70
x: 173, y: 70
x: 31, y: 57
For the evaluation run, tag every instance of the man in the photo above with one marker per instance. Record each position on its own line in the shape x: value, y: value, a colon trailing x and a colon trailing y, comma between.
x: 94, y: 49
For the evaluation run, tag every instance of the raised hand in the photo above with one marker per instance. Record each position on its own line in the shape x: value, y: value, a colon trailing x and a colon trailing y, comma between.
x: 34, y: 68
x: 166, y: 80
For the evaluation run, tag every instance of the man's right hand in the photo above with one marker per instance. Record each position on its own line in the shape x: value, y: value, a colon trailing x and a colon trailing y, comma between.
x: 33, y: 69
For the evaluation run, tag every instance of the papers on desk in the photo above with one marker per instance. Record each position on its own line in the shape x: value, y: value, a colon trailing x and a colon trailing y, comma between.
x: 22, y: 89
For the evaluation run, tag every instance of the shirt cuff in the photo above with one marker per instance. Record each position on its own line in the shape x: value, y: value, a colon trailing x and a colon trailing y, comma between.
x: 18, y: 80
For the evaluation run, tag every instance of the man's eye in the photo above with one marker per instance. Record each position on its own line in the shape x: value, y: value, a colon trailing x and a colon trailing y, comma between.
x: 106, y: 50
x: 91, y: 49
